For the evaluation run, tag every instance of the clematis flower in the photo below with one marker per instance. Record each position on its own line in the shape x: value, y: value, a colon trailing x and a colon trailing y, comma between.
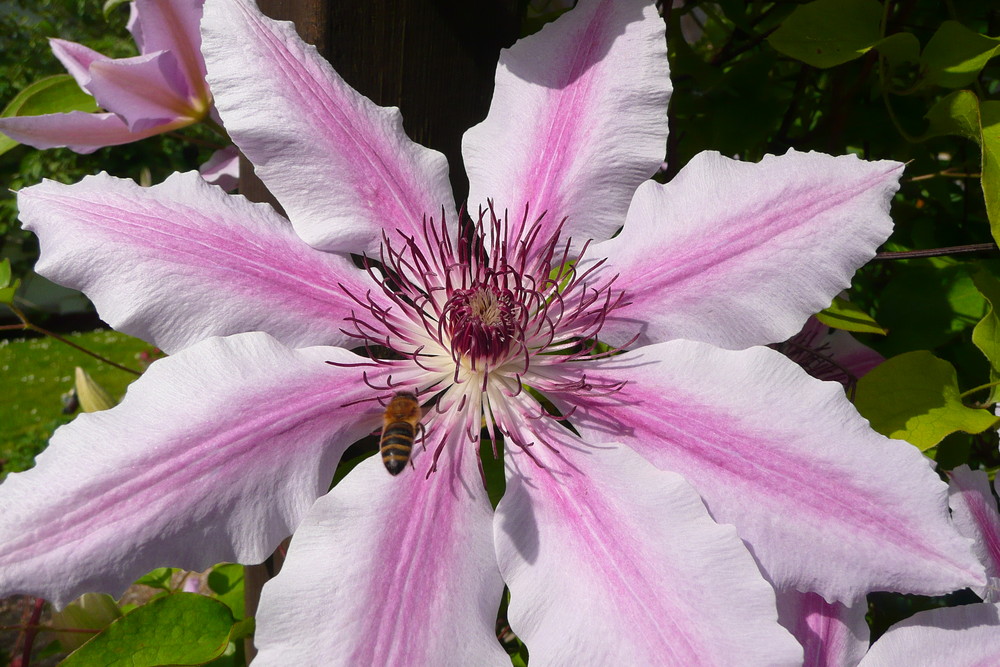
x: 160, y: 90
x: 830, y: 354
x: 974, y: 510
x: 283, y: 353
x: 835, y: 634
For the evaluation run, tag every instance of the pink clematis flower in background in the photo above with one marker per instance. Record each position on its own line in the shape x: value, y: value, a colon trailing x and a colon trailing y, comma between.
x: 830, y: 354
x: 602, y: 536
x: 836, y: 635
x: 160, y: 90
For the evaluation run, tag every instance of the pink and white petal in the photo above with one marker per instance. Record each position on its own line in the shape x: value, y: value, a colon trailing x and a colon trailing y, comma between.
x: 829, y: 354
x: 215, y: 454
x: 223, y: 168
x: 825, y: 503
x: 578, y: 119
x: 390, y: 570
x: 739, y: 254
x: 965, y: 636
x: 145, y: 91
x: 181, y: 261
x: 613, y: 562
x: 77, y: 130
x: 342, y: 167
x: 832, y: 635
x: 974, y: 511
x: 172, y: 25
x: 855, y: 357
x: 76, y: 58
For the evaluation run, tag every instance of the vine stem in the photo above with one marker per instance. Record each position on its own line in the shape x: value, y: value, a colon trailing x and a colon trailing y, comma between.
x: 29, y: 635
x: 938, y: 252
x: 981, y: 387
x: 29, y: 326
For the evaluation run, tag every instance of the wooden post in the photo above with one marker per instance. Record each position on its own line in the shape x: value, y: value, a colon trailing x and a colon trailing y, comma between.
x: 434, y: 59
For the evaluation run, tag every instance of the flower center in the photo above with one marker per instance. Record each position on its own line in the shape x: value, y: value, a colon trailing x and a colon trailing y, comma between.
x: 477, y: 314
x: 482, y: 322
x: 484, y: 303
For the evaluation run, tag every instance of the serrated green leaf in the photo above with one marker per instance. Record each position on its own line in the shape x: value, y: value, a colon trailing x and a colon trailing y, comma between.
x: 955, y: 55
x: 5, y: 273
x: 842, y: 314
x: 915, y: 397
x: 826, y: 33
x: 53, y: 94
x: 986, y: 334
x: 178, y: 629
x: 110, y: 5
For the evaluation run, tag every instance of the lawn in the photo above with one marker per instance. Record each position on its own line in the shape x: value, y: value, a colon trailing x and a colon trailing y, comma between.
x: 36, y: 372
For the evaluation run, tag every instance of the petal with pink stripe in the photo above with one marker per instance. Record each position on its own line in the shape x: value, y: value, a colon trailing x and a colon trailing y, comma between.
x: 172, y: 25
x: 974, y: 511
x: 831, y: 634
x: 146, y: 91
x: 215, y: 454
x: 181, y: 261
x: 391, y: 570
x: 76, y: 58
x: 578, y: 119
x: 77, y: 130
x: 342, y: 167
x: 965, y: 636
x: 739, y: 254
x: 825, y: 503
x: 614, y: 562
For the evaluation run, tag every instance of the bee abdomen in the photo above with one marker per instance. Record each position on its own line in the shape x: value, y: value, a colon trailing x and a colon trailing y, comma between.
x: 396, y: 445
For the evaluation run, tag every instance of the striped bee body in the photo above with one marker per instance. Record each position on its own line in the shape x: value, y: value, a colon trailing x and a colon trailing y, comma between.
x: 400, y: 424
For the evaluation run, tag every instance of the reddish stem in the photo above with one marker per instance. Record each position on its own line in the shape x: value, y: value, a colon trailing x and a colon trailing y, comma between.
x: 28, y: 635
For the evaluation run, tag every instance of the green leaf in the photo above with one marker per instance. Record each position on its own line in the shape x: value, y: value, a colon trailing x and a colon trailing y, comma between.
x: 91, y: 611
x: 986, y: 335
x: 178, y: 629
x: 93, y: 397
x: 53, y: 94
x: 956, y: 113
x: 825, y: 33
x: 160, y: 578
x: 915, y: 397
x: 990, y: 145
x: 5, y: 272
x: 110, y: 5
x: 899, y: 48
x: 843, y: 314
x: 7, y: 293
x: 960, y: 113
x: 227, y: 582
x: 955, y: 55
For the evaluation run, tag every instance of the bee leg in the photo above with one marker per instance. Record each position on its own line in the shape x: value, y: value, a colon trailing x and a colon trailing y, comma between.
x: 422, y: 435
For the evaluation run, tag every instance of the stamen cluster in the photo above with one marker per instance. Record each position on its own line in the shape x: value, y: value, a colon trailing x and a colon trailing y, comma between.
x: 488, y: 308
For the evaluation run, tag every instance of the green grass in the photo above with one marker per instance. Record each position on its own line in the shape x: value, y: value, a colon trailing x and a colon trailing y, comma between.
x: 35, y: 372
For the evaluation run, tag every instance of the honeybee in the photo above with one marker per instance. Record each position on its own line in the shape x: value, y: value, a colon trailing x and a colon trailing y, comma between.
x: 400, y: 425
